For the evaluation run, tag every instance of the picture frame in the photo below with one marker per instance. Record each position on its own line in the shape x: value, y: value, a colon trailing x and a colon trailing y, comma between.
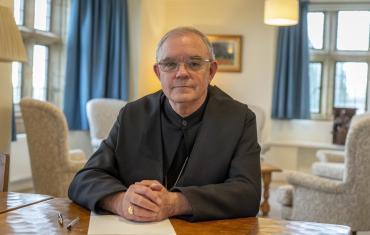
x: 228, y: 50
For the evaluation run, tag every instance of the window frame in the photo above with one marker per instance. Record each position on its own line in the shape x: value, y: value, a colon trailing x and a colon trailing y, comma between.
x: 321, y: 87
x: 329, y: 55
x: 55, y: 40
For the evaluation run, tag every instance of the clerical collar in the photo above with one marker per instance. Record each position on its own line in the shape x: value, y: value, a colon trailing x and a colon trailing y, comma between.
x: 181, y: 122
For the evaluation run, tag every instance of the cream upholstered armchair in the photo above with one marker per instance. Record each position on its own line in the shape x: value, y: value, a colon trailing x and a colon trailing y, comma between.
x: 260, y: 119
x: 101, y: 114
x: 345, y: 201
x: 331, y: 162
x: 53, y: 166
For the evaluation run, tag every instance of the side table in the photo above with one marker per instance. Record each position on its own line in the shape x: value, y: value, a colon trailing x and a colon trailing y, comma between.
x: 266, y: 172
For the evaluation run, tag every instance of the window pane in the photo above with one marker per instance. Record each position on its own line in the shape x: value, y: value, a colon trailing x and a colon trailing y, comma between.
x: 42, y: 14
x: 315, y: 87
x: 353, y: 30
x: 39, y: 72
x: 350, y: 85
x: 17, y: 81
x: 18, y: 11
x: 316, y: 29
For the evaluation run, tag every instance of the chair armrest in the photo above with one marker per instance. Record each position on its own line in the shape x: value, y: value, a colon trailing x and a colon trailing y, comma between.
x: 331, y: 170
x: 76, y: 160
x: 315, y: 182
x: 330, y: 156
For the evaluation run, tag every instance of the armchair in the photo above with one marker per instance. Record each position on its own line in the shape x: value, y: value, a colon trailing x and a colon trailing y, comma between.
x: 101, y: 114
x: 346, y: 201
x: 260, y: 119
x: 331, y: 163
x: 53, y: 166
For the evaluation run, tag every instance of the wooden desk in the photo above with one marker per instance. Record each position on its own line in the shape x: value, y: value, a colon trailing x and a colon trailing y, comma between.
x: 11, y: 201
x: 266, y: 171
x: 41, y: 218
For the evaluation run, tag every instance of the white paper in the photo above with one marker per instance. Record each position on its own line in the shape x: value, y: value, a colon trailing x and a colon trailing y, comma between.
x: 114, y: 225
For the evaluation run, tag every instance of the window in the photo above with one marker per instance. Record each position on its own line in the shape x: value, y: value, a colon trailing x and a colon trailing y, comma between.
x: 339, y: 57
x: 19, y: 11
x: 43, y: 27
x: 39, y: 72
x: 315, y: 86
x: 17, y: 81
x: 42, y: 15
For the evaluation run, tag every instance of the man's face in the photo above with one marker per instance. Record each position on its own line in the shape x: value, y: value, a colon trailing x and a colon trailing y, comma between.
x: 185, y: 84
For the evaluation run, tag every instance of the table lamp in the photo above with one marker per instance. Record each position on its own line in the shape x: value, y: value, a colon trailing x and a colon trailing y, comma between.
x: 11, y: 44
x: 281, y: 12
x: 11, y: 49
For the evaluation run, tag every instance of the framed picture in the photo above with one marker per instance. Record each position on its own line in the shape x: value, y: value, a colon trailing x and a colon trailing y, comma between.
x: 227, y: 49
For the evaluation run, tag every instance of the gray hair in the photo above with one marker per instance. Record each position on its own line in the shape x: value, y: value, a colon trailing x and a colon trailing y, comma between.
x: 179, y: 31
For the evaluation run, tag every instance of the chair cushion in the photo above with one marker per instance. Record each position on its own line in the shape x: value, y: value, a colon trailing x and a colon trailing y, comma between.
x: 328, y: 170
x: 286, y: 212
x: 95, y: 143
x: 285, y: 195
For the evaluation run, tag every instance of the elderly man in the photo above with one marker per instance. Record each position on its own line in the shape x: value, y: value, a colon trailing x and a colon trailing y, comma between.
x: 188, y: 150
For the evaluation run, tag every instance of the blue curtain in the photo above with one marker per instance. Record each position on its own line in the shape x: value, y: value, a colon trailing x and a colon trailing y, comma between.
x: 97, y: 56
x: 291, y: 92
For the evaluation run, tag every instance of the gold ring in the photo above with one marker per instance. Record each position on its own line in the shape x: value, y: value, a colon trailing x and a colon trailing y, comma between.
x: 130, y: 210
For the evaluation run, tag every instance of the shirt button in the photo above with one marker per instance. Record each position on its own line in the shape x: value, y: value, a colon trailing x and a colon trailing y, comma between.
x: 184, y: 123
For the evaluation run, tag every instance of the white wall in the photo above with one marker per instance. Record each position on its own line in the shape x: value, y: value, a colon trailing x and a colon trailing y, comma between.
x: 242, y: 17
x: 301, y: 130
x: 20, y: 168
x: 245, y: 17
x: 150, y: 19
x: 253, y: 84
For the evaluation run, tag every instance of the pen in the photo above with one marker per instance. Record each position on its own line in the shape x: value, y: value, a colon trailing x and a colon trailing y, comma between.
x: 60, y: 218
x: 73, y: 223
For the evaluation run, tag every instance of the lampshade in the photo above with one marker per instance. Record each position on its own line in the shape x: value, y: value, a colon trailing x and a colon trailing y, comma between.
x: 11, y: 44
x: 281, y: 12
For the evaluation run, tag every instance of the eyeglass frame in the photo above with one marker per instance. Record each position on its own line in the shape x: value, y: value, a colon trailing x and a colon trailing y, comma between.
x: 186, y: 64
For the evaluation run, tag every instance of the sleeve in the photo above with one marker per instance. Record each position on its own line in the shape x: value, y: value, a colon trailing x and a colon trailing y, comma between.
x: 240, y: 194
x: 99, y: 177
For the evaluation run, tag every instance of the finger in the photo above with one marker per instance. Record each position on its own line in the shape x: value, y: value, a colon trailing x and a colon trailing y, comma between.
x: 144, y: 202
x: 148, y: 193
x: 148, y: 182
x: 143, y: 219
x: 140, y: 196
x: 156, y: 187
x: 153, y: 184
x: 142, y: 213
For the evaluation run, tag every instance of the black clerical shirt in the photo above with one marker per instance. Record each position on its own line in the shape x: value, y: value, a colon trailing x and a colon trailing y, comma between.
x: 178, y: 137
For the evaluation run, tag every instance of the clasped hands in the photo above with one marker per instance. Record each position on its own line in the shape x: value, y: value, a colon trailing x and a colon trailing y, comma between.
x: 145, y: 201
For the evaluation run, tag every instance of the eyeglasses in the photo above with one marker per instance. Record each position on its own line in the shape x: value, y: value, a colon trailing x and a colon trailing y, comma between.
x: 193, y: 64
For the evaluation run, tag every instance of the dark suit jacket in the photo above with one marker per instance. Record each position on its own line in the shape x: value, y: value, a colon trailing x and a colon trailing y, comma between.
x: 221, y: 179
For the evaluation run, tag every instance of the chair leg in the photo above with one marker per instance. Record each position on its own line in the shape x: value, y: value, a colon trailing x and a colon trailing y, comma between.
x: 354, y: 233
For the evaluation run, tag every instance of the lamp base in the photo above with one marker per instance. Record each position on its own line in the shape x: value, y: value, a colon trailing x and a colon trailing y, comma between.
x: 6, y: 90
